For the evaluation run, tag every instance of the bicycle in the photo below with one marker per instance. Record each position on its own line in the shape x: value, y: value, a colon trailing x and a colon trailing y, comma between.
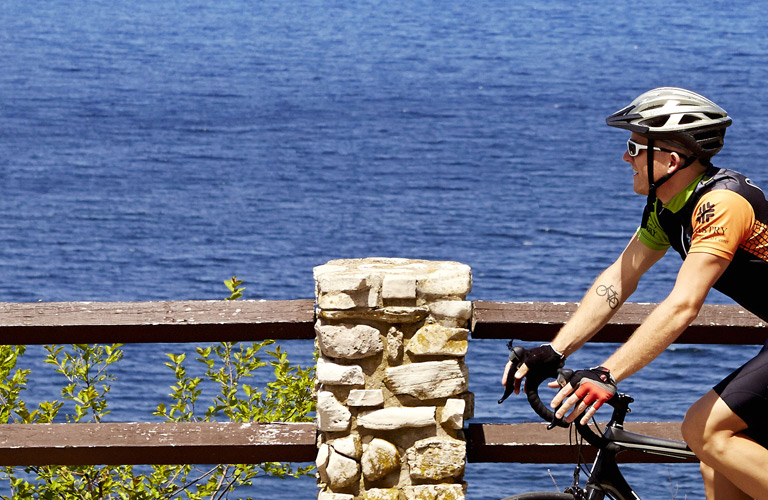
x: 605, y: 479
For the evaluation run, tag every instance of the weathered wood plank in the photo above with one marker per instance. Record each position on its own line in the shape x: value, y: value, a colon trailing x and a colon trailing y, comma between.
x: 143, y: 322
x: 533, y: 443
x: 716, y: 324
x: 158, y: 443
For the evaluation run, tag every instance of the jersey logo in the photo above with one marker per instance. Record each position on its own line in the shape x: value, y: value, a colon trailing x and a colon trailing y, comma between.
x: 706, y: 211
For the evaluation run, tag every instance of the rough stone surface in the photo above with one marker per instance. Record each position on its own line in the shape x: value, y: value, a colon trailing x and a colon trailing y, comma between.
x: 322, y: 458
x: 390, y: 314
x: 433, y: 278
x: 329, y: 495
x: 438, y: 340
x: 361, y: 397
x: 436, y: 458
x: 449, y: 281
x: 394, y: 344
x: 435, y: 492
x: 398, y: 418
x: 341, y: 471
x: 335, y: 374
x: 380, y: 458
x: 456, y: 310
x: 331, y: 415
x: 428, y: 380
x: 452, y: 414
x: 336, y: 279
x: 382, y: 494
x: 422, y: 304
x: 348, y: 446
x: 342, y: 301
x: 398, y: 287
x: 348, y: 342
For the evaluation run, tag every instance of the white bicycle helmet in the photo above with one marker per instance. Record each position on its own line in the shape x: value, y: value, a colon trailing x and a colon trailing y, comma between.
x: 676, y: 114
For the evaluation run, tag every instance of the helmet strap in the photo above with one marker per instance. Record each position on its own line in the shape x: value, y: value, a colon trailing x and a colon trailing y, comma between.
x: 654, y: 184
x: 650, y: 204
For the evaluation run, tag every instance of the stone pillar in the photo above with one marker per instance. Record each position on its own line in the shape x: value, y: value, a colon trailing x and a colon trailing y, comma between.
x: 391, y: 380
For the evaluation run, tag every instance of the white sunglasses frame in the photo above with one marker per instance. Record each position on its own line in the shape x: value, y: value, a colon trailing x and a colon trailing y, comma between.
x: 640, y: 147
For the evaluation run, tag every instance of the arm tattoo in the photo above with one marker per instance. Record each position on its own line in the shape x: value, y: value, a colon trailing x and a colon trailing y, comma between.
x: 611, y: 296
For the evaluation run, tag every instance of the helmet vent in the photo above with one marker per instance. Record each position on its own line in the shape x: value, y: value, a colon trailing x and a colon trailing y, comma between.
x: 688, y: 119
x: 658, y: 121
x: 653, y: 106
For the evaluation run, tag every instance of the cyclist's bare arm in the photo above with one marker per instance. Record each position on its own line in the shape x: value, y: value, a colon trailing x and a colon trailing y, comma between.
x: 602, y: 300
x: 697, y: 275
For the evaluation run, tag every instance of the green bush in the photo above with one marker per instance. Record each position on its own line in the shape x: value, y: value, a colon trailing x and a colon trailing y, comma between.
x: 87, y: 380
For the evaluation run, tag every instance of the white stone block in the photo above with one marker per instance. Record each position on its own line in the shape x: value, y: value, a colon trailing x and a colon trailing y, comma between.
x: 348, y: 342
x: 341, y: 281
x: 322, y: 457
x: 436, y: 458
x: 361, y: 397
x: 452, y: 414
x: 348, y: 446
x: 398, y: 287
x: 460, y: 310
x: 447, y: 281
x: 329, y: 495
x: 380, y: 458
x: 335, y: 374
x: 382, y: 494
x: 341, y: 301
x: 438, y: 340
x: 435, y: 492
x: 331, y: 415
x: 394, y: 344
x: 428, y: 380
x: 341, y: 471
x: 398, y: 418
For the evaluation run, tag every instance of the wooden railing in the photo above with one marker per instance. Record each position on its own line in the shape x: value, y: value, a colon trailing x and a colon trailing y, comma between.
x: 216, y: 321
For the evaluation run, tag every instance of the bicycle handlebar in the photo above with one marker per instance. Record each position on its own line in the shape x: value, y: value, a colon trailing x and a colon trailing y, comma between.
x: 534, y: 379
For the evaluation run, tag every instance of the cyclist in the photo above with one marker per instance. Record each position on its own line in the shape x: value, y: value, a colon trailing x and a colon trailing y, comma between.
x: 717, y: 220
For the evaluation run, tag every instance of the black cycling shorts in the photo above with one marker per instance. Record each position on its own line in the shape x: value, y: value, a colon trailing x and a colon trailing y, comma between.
x: 745, y: 391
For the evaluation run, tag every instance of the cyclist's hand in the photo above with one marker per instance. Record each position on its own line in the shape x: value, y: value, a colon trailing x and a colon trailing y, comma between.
x: 544, y: 358
x: 587, y: 390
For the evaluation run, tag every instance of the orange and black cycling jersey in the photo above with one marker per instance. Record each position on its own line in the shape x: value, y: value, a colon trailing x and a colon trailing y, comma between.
x: 721, y: 213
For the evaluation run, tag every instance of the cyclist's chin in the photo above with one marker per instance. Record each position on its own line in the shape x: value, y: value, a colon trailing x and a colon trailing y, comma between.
x: 640, y: 187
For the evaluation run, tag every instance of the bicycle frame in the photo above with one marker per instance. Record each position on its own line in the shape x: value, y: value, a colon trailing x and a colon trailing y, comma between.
x: 605, y: 476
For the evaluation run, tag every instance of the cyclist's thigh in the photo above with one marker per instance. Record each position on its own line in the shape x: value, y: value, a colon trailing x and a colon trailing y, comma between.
x: 745, y: 391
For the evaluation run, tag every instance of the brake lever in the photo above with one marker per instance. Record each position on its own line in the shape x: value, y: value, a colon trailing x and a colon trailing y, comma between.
x: 508, y: 389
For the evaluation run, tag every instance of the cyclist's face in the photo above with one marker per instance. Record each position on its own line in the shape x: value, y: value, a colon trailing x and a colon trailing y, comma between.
x: 639, y: 164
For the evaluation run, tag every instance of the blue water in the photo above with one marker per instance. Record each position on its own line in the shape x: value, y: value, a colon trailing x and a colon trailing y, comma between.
x: 150, y: 150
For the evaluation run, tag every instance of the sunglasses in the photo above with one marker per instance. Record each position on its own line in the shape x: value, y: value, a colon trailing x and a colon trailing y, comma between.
x: 634, y: 148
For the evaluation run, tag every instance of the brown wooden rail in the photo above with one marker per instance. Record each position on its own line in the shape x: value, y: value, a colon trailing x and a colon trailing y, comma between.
x: 157, y: 443
x: 716, y: 324
x: 216, y: 321
x: 155, y: 322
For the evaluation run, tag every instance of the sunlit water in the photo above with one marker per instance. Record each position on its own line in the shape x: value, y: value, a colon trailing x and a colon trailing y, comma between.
x: 150, y: 150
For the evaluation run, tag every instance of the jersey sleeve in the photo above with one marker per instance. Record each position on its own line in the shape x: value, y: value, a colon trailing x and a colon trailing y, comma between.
x: 721, y: 221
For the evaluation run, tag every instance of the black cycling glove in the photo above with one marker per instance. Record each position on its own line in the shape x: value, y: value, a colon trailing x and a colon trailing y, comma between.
x: 595, y: 385
x: 543, y: 359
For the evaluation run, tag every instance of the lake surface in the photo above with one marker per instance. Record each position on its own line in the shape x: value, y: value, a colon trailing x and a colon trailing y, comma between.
x: 151, y: 150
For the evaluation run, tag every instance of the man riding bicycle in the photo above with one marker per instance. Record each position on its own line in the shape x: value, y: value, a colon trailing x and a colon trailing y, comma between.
x: 717, y: 220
